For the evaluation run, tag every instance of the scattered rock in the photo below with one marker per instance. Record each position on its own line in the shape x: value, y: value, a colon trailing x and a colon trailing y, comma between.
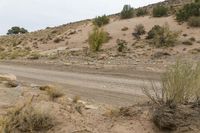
x: 160, y: 54
x: 124, y: 28
x: 12, y: 83
x: 8, y: 77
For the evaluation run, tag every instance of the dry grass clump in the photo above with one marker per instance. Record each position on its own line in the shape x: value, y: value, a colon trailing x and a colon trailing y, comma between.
x: 26, y: 118
x: 34, y: 56
x: 54, y: 92
x: 180, y: 84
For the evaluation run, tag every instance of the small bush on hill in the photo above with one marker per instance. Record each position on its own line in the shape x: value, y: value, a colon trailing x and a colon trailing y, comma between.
x: 163, y: 36
x: 160, y: 11
x: 194, y: 21
x: 16, y: 30
x: 101, y: 20
x: 155, y: 30
x: 127, y: 12
x: 122, y: 45
x: 188, y: 11
x: 97, y: 38
x: 139, y: 29
x: 141, y: 12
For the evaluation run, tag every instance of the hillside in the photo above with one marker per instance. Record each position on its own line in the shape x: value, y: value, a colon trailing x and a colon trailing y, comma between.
x: 68, y: 44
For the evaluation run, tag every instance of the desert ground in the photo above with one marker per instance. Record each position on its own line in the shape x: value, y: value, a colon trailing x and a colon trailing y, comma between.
x: 53, y: 71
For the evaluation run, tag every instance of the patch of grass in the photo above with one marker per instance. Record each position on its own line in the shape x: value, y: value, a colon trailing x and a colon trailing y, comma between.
x: 97, y: 38
x: 112, y: 112
x: 160, y: 11
x: 127, y: 12
x: 194, y: 21
x: 101, y: 20
x: 34, y: 56
x: 76, y: 99
x: 179, y: 85
x: 26, y: 118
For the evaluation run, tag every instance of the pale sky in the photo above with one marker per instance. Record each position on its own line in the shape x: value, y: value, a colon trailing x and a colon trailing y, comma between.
x: 39, y: 14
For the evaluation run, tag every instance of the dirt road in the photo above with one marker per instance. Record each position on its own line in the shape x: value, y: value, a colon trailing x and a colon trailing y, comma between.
x: 100, y: 87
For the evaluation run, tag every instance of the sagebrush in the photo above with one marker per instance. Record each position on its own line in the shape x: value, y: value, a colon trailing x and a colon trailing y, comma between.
x: 27, y: 118
x: 179, y: 84
x: 163, y: 36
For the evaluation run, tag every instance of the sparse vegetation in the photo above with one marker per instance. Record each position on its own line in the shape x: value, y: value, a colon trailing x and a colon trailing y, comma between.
x: 155, y: 30
x: 187, y: 42
x: 97, y: 38
x: 139, y: 29
x: 122, y: 45
x: 189, y: 10
x: 141, y: 12
x: 53, y: 92
x: 34, y: 56
x: 26, y: 118
x: 76, y: 99
x: 163, y: 36
x: 16, y: 30
x: 194, y: 21
x: 179, y: 85
x: 160, y: 11
x: 101, y: 20
x: 127, y: 12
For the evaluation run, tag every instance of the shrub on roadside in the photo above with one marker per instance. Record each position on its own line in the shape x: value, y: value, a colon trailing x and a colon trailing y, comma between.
x: 141, y: 12
x: 160, y: 11
x: 194, y: 21
x: 97, y: 38
x: 127, y: 12
x: 101, y: 20
x: 179, y: 85
x: 27, y: 118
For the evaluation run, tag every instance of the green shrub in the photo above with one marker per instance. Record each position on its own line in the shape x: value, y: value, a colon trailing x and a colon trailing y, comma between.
x: 160, y: 11
x: 101, y: 20
x: 155, y: 30
x: 122, y: 45
x: 179, y: 84
x: 127, y: 12
x: 139, y: 29
x: 16, y: 30
x: 164, y: 37
x: 141, y: 12
x: 194, y: 21
x: 188, y: 11
x: 97, y: 38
